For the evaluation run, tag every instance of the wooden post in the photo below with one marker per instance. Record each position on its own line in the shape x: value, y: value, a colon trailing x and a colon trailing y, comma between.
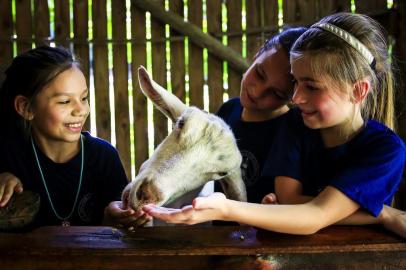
x: 400, y: 53
x: 120, y: 72
x: 6, y: 31
x: 81, y: 46
x: 177, y: 55
x: 158, y: 54
x: 234, y: 24
x: 196, y: 81
x: 62, y: 22
x: 214, y: 65
x: 139, y: 57
x: 24, y: 26
x: 100, y: 70
x: 41, y: 22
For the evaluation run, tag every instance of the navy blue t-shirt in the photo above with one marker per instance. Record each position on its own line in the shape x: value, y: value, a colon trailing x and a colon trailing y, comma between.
x: 254, y: 140
x: 103, y: 179
x: 367, y: 169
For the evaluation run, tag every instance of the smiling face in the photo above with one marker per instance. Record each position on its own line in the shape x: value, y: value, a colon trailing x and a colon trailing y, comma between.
x: 322, y: 103
x: 60, y: 109
x: 267, y: 86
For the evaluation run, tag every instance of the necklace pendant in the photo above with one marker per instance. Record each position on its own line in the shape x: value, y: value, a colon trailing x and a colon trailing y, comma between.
x: 65, y: 223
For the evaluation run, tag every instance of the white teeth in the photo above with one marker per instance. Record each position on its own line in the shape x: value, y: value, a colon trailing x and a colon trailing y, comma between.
x: 74, y: 125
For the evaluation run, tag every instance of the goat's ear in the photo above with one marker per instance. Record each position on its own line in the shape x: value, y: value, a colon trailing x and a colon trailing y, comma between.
x: 166, y: 102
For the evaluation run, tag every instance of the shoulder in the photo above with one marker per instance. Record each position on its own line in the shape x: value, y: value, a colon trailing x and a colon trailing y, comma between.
x: 377, y: 134
x: 95, y: 144
x: 379, y: 141
x: 230, y: 106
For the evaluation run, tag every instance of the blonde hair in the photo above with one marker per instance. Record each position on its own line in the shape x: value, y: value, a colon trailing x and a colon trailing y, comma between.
x: 347, y: 65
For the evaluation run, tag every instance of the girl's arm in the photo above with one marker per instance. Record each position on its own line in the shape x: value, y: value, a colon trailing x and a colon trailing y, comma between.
x: 289, y: 191
x: 327, y: 208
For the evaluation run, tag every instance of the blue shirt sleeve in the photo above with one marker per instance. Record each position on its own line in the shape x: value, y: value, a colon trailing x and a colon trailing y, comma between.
x: 374, y: 173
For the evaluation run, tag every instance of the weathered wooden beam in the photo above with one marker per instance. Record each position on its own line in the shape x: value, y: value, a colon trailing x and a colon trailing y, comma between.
x: 195, y: 34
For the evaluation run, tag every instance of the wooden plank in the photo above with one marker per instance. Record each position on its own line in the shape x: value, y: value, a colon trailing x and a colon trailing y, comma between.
x: 178, y: 70
x: 196, y: 81
x: 370, y: 6
x: 41, y: 22
x: 399, y: 55
x: 270, y: 18
x: 62, y: 23
x: 120, y: 73
x: 302, y: 12
x: 327, y: 7
x: 6, y: 32
x: 194, y: 33
x: 24, y: 25
x: 139, y: 57
x: 159, y: 73
x: 81, y: 45
x: 234, y: 25
x: 254, y: 42
x: 185, y: 247
x: 215, y: 65
x: 100, y: 70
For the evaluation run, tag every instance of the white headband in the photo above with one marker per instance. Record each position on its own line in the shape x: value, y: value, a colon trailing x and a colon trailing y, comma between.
x: 350, y: 39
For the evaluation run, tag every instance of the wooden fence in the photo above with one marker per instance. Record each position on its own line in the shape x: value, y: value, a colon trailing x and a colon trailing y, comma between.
x: 24, y: 23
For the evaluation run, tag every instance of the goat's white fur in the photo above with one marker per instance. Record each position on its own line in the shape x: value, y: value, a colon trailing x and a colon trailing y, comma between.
x: 200, y: 148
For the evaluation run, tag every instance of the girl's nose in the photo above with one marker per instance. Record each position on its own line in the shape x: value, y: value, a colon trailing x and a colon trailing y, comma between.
x: 298, y: 96
x: 81, y: 108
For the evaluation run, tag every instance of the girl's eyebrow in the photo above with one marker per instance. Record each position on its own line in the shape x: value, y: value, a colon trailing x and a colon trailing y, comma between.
x: 306, y: 79
x: 57, y: 94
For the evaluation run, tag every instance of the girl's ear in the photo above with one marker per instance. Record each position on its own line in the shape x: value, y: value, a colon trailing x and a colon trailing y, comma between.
x: 361, y: 89
x: 22, y: 106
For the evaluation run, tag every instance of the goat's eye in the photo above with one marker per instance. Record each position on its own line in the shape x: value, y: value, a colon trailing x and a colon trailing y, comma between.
x: 181, y: 123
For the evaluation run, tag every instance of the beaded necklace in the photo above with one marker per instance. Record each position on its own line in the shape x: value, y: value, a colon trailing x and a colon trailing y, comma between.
x: 64, y: 220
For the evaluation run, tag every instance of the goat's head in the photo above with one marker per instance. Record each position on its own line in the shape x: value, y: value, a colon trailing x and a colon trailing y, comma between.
x: 200, y: 148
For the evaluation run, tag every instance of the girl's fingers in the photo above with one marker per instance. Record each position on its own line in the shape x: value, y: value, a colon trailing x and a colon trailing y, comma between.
x: 19, y: 188
x: 8, y: 192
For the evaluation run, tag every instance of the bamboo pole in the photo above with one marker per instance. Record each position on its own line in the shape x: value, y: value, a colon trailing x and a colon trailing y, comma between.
x: 195, y: 34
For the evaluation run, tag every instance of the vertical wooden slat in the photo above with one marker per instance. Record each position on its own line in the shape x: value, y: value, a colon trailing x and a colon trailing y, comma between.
x: 400, y: 53
x: 253, y: 24
x: 24, y: 24
x: 177, y: 55
x: 81, y: 47
x: 101, y: 79
x: 159, y: 73
x: 6, y: 31
x: 120, y: 73
x: 327, y: 7
x: 303, y: 12
x: 139, y: 57
x: 215, y: 66
x: 234, y: 19
x: 196, y: 81
x: 41, y: 22
x: 62, y: 22
x: 370, y: 6
x: 270, y: 17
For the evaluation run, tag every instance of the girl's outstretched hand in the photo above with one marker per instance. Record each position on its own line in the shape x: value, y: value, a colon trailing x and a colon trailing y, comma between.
x: 116, y: 214
x: 9, y: 184
x: 202, y: 209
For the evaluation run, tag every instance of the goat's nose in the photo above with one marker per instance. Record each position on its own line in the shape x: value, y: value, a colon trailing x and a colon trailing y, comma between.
x: 148, y: 193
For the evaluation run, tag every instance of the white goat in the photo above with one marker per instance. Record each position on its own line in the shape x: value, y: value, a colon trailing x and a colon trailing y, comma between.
x: 200, y: 148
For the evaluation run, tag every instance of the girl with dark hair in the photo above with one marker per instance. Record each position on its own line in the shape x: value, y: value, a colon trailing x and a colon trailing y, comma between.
x: 79, y: 178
